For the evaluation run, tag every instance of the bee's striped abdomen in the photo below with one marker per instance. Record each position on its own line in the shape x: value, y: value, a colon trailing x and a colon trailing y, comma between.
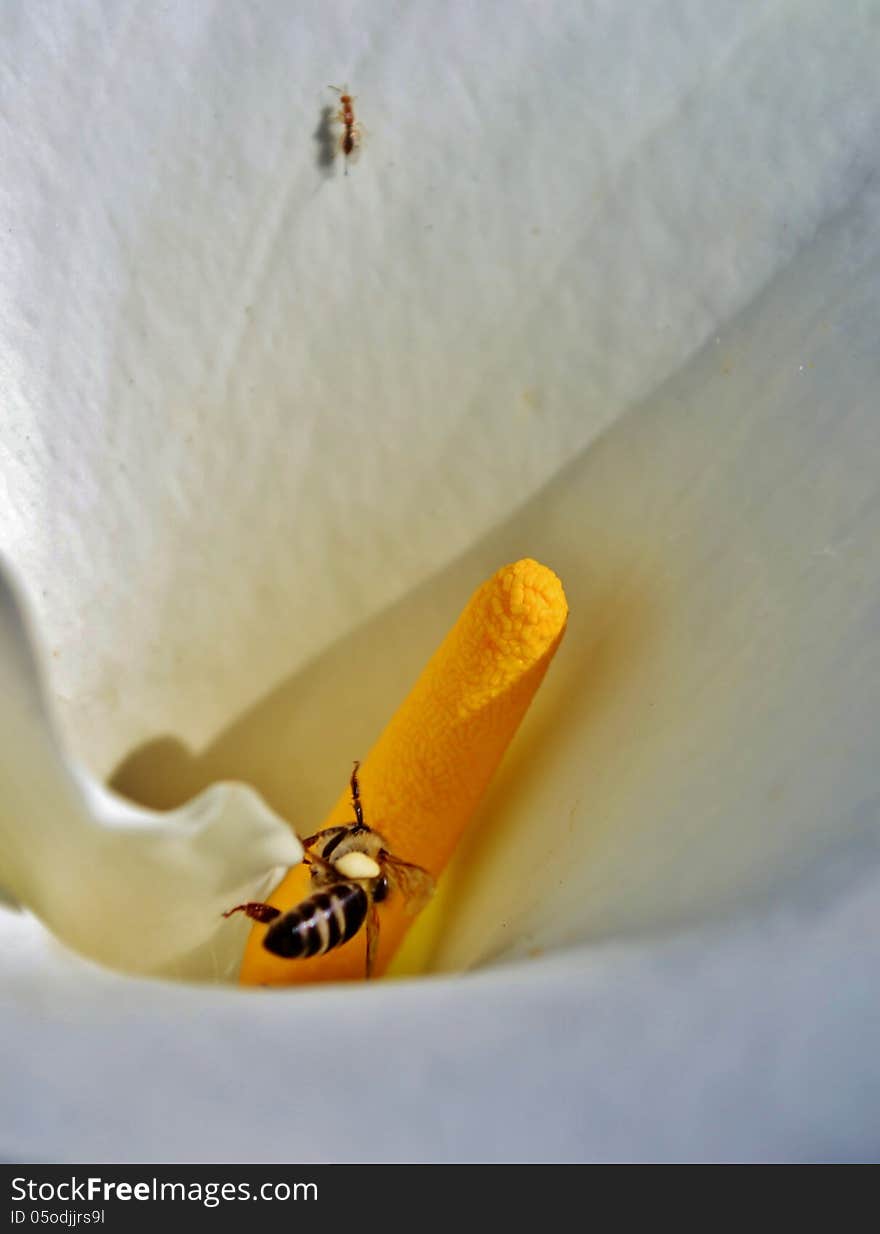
x: 320, y: 923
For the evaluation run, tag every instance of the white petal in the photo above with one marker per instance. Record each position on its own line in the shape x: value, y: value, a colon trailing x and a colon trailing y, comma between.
x: 133, y: 888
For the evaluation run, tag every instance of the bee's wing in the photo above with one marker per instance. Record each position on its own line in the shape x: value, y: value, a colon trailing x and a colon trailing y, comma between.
x: 414, y: 884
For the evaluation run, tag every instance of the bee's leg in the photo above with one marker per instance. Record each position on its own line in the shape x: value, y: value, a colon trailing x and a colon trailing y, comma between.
x: 327, y: 831
x: 321, y: 869
x: 356, y: 795
x: 372, y: 938
x: 257, y: 911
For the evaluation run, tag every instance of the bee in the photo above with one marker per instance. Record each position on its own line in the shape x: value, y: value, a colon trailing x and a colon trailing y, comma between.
x: 350, y: 140
x: 351, y: 872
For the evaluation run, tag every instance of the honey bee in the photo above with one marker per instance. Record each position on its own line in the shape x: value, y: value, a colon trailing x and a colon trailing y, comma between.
x: 351, y: 871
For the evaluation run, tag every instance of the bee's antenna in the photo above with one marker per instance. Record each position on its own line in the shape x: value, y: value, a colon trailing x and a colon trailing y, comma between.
x: 356, y: 796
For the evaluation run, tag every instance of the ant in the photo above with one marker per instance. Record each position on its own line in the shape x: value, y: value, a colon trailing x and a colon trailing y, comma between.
x: 350, y: 140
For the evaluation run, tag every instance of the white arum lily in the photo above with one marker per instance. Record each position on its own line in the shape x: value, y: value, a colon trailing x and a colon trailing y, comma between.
x: 602, y: 290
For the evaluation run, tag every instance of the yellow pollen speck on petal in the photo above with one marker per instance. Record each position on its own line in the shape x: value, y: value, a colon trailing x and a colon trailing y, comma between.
x: 426, y: 774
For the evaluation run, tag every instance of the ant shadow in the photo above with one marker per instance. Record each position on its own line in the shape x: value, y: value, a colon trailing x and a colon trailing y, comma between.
x: 325, y: 141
